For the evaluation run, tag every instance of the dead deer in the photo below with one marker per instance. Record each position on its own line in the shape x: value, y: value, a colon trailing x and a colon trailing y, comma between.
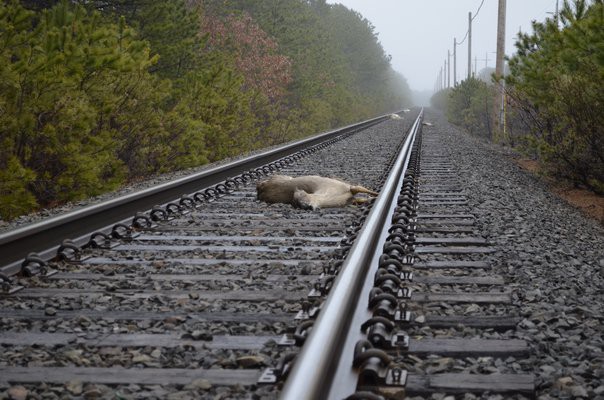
x: 309, y: 192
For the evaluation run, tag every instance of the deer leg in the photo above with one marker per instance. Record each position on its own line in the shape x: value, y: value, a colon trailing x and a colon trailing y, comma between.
x: 303, y: 200
x: 360, y: 189
x: 360, y: 200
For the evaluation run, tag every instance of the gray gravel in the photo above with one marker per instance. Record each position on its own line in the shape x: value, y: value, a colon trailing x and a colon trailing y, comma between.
x: 552, y: 257
x: 77, y: 312
x: 549, y: 253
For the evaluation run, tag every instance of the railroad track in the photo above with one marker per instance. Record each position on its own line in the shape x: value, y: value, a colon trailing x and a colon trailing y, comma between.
x: 214, y: 295
x: 428, y: 307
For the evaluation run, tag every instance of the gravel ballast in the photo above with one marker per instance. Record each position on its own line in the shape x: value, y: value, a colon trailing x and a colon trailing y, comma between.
x: 121, y: 291
x: 552, y: 257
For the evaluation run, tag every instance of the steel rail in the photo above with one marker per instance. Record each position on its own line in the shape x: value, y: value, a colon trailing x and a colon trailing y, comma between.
x: 45, y: 237
x: 315, y: 373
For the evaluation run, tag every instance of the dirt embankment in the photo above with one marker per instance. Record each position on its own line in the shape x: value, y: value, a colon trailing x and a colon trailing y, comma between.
x: 588, y: 202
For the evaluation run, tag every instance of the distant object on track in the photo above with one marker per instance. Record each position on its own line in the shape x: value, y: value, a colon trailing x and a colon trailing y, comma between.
x: 395, y: 116
x: 309, y: 192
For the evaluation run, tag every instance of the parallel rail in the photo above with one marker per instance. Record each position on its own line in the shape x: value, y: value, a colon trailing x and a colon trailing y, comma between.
x: 321, y: 368
x: 423, y: 254
x: 339, y: 303
x: 45, y: 237
x: 226, y: 276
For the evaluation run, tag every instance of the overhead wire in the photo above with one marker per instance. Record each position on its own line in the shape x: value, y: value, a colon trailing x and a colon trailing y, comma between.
x: 468, y: 30
x: 477, y: 11
x: 474, y: 16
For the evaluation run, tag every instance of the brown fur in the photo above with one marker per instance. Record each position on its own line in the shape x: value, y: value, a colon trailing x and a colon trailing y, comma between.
x: 309, y: 192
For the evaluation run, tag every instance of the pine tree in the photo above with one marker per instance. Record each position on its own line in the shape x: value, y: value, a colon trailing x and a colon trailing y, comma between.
x: 72, y: 93
x: 170, y: 27
x: 557, y: 83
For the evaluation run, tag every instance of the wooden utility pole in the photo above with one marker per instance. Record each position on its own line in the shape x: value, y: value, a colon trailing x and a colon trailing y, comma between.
x: 455, y: 62
x: 445, y: 75
x: 486, y: 63
x: 440, y: 79
x: 499, y: 70
x: 469, y: 45
x: 448, y: 68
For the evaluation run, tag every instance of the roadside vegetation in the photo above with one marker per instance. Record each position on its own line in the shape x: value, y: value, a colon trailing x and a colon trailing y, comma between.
x: 98, y: 93
x: 554, y: 96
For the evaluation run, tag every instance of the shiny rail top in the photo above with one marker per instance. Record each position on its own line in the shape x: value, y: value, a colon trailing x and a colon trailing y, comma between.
x: 314, y: 373
x: 45, y: 237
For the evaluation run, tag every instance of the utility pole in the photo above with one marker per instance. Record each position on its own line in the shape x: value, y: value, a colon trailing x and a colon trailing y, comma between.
x: 448, y: 68
x: 440, y: 79
x: 475, y: 64
x: 445, y: 75
x: 469, y: 44
x: 455, y: 62
x: 486, y: 60
x: 499, y: 70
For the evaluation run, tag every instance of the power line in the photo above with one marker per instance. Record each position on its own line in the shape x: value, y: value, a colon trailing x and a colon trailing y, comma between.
x: 475, y: 15
x: 455, y: 43
x: 464, y: 38
x: 477, y: 11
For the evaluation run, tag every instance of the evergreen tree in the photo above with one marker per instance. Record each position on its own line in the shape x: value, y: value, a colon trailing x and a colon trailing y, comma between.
x: 81, y: 110
x: 206, y: 87
x: 469, y: 105
x: 340, y: 72
x: 557, y: 85
x: 94, y: 93
x: 170, y: 27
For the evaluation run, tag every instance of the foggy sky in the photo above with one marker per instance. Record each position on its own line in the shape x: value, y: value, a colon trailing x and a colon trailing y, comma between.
x: 418, y: 33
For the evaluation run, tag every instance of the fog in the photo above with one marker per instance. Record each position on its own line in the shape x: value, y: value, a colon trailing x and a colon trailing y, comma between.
x: 418, y: 33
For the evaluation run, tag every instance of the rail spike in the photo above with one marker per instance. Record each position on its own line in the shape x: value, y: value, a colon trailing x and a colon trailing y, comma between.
x: 33, y: 264
x: 69, y: 251
x: 280, y: 372
x: 99, y: 240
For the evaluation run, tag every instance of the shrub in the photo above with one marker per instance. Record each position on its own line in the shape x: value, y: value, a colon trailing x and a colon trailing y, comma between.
x: 557, y: 81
